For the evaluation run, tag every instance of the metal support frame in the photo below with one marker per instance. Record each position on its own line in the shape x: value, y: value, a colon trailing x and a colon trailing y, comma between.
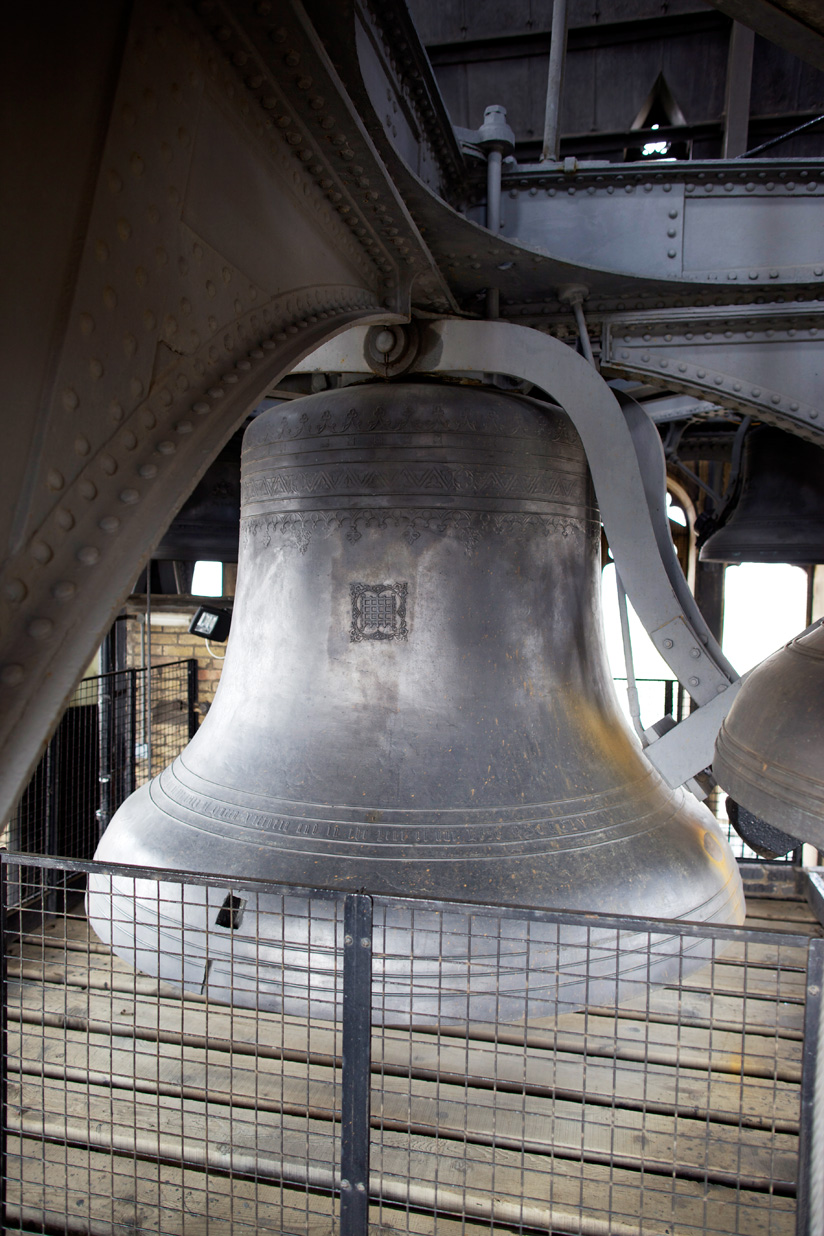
x: 555, y: 83
x: 356, y: 1065
x: 739, y: 84
x: 810, y: 1213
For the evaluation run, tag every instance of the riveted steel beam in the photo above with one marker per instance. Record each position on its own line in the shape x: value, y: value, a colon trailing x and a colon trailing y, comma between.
x: 766, y: 360
x: 732, y: 225
x: 220, y: 211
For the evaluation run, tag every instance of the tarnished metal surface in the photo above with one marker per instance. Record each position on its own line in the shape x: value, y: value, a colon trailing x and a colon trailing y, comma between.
x: 415, y: 697
x: 627, y: 465
x: 768, y: 756
x: 779, y: 516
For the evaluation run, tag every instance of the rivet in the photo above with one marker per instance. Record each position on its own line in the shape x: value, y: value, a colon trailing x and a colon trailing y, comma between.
x: 95, y: 368
x: 55, y: 479
x: 129, y: 496
x: 166, y: 448
x: 813, y: 414
x: 695, y: 653
x: 15, y: 590
x: 668, y: 643
x: 101, y: 251
x: 88, y: 490
x: 41, y: 551
x: 64, y: 519
x: 141, y: 276
x: 818, y: 270
x: 129, y: 440
x: 793, y: 407
x: 673, y: 214
x: 40, y: 628
x: 136, y: 164
x: 109, y: 297
x: 645, y: 357
x: 109, y: 523
x: 108, y: 463
x: 671, y: 231
x: 682, y: 368
x: 149, y: 419
x: 269, y: 345
x: 64, y: 589
x: 115, y: 411
x: 88, y: 555
x: 148, y: 470
x: 124, y: 229
x: 776, y: 399
x: 114, y: 181
x: 11, y: 675
x: 694, y: 682
x: 216, y: 392
x: 256, y: 353
x: 625, y: 356
x: 184, y: 427
x: 736, y: 386
x: 700, y: 373
x: 671, y: 253
x: 756, y: 391
x: 70, y: 399
x: 244, y: 365
x: 86, y: 322
x: 718, y: 380
x: 202, y: 409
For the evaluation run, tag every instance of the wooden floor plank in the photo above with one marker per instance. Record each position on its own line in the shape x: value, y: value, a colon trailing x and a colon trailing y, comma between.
x: 440, y: 1108
x: 476, y: 1174
x: 690, y: 1090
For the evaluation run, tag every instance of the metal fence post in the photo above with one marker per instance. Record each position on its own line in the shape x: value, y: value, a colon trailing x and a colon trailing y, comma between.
x: 810, y: 1209
x: 191, y: 694
x: 4, y: 1045
x: 357, y: 1061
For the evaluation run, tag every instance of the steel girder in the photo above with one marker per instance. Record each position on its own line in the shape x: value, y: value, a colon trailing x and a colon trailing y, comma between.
x: 216, y: 211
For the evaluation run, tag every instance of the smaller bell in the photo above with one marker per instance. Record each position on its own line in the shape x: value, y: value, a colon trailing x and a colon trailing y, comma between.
x: 769, y: 755
x: 207, y: 526
x: 780, y: 514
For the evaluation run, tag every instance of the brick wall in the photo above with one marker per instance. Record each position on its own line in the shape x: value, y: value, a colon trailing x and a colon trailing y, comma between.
x: 171, y: 640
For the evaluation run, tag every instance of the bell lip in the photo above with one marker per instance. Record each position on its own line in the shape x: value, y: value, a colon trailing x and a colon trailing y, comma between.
x: 779, y: 800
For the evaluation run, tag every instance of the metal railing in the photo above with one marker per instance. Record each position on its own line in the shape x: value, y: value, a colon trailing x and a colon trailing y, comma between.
x: 302, y: 1060
x: 117, y: 732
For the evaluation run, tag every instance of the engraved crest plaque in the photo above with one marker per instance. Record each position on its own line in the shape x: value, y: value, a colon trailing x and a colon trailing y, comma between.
x: 378, y: 612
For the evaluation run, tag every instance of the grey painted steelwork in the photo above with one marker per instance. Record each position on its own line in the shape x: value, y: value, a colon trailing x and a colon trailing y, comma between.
x: 768, y: 755
x: 767, y: 359
x: 415, y: 700
x: 779, y: 516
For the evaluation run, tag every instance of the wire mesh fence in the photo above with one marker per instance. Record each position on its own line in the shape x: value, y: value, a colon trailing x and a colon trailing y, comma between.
x: 118, y: 731
x: 254, y: 1058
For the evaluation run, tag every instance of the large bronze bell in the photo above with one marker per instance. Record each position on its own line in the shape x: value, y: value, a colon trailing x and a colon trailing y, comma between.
x: 415, y: 700
x: 769, y: 754
x: 779, y: 516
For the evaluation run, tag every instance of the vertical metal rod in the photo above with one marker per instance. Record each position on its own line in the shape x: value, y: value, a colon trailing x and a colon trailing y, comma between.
x: 555, y: 83
x: 356, y: 1067
x: 494, y: 169
x: 583, y: 333
x: 810, y: 1208
x: 739, y: 87
x: 632, y: 689
x: 668, y: 697
x: 105, y: 687
x: 4, y: 1044
x: 147, y: 686
x: 131, y: 732
x: 191, y: 695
